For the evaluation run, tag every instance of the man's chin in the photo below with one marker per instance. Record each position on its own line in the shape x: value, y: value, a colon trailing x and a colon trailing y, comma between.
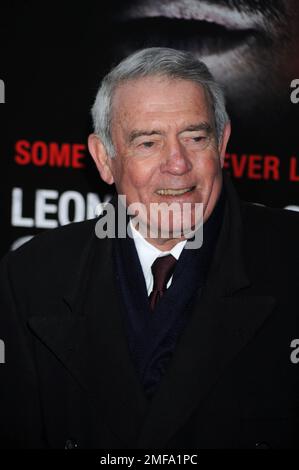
x: 178, y: 232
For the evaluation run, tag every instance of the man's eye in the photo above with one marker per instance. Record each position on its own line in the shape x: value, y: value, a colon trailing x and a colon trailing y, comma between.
x: 147, y: 144
x: 199, y: 139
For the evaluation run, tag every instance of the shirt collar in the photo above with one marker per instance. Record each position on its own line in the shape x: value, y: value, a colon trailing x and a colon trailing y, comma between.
x: 147, y: 252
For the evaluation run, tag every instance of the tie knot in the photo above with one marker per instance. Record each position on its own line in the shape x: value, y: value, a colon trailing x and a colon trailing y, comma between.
x: 162, y: 269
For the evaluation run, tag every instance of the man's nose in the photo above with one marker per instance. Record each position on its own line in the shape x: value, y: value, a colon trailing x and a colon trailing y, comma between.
x: 176, y: 161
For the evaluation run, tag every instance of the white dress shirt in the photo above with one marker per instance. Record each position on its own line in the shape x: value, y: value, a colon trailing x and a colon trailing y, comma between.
x: 148, y: 253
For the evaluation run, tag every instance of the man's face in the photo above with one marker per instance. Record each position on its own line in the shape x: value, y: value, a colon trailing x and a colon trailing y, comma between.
x: 249, y: 45
x: 164, y: 135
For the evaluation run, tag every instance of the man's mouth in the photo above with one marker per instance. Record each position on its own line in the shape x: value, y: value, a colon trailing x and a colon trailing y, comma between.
x: 174, y: 192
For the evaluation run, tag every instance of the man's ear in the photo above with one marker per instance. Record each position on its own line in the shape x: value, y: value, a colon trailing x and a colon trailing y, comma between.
x: 223, y: 142
x: 100, y: 157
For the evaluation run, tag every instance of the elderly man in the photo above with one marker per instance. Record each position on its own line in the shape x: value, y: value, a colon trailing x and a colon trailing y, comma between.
x: 145, y: 340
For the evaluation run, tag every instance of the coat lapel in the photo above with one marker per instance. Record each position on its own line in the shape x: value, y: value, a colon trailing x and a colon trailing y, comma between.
x: 87, y: 335
x: 216, y: 333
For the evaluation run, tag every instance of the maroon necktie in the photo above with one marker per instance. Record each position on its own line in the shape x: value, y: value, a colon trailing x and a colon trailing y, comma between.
x: 162, y: 269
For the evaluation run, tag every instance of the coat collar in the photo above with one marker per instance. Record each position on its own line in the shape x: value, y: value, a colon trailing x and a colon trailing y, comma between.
x: 85, y: 331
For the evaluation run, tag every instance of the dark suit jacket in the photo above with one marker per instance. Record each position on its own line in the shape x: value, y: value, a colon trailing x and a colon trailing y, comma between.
x: 68, y: 379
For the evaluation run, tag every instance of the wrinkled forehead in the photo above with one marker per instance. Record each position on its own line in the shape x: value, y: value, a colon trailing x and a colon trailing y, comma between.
x: 138, y: 89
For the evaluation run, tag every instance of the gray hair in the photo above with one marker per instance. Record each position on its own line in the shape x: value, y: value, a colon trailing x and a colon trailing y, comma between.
x: 155, y: 61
